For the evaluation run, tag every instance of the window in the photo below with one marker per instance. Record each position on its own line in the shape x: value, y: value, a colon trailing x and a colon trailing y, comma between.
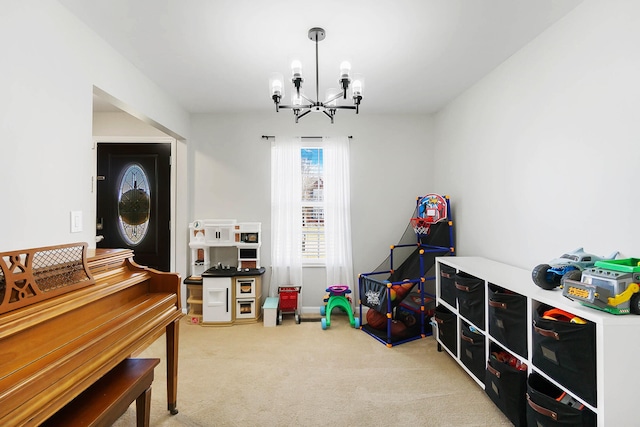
x: 310, y: 209
x: 312, y: 206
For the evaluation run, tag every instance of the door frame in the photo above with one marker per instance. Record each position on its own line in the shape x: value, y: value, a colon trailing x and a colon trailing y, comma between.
x: 174, y: 178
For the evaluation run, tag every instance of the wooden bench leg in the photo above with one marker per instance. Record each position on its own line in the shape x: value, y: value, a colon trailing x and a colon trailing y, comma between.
x: 143, y: 408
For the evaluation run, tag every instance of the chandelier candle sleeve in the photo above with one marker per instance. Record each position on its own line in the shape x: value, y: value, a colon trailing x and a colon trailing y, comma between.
x: 303, y: 105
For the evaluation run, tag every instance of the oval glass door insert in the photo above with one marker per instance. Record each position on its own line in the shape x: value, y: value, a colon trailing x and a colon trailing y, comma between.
x: 134, y: 204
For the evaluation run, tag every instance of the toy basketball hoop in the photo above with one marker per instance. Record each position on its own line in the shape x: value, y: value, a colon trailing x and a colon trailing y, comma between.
x: 420, y: 225
x: 432, y: 208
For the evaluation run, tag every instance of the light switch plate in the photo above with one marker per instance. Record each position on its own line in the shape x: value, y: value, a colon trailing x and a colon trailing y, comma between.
x: 76, y: 221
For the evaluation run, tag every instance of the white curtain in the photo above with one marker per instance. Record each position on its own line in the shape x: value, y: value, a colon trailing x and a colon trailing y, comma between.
x: 337, y: 216
x: 286, y: 214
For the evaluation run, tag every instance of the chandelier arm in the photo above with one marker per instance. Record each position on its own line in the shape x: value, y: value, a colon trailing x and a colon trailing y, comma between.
x: 311, y: 101
x: 344, y: 107
x: 295, y: 107
x: 304, y: 114
x: 333, y: 98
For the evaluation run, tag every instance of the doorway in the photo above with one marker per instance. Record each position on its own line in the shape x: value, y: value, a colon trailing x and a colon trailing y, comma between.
x: 134, y: 200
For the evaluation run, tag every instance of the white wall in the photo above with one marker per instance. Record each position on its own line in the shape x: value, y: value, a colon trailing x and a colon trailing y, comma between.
x: 390, y: 167
x: 539, y: 157
x: 121, y: 124
x: 51, y: 63
x: 542, y: 155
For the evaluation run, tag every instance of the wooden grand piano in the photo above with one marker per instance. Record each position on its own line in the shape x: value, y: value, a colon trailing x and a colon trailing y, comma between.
x: 68, y: 315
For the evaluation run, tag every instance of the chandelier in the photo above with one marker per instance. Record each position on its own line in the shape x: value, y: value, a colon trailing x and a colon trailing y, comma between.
x: 301, y: 104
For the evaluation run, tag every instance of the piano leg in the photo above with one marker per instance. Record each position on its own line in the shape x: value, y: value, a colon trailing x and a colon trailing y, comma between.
x: 172, y: 333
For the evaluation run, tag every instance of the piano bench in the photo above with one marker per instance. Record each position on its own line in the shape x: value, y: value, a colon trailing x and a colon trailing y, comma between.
x: 110, y: 397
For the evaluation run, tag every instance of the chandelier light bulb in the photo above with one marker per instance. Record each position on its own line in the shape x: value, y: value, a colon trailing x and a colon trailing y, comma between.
x: 345, y: 69
x: 332, y: 94
x: 357, y: 87
x: 276, y: 87
x: 296, y: 68
x: 276, y: 84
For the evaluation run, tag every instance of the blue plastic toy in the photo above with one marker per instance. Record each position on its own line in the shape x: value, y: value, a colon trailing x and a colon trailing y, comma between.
x: 337, y: 297
x: 568, y: 266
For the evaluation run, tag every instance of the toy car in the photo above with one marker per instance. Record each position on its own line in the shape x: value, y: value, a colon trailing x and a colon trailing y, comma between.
x: 568, y: 266
x: 611, y: 286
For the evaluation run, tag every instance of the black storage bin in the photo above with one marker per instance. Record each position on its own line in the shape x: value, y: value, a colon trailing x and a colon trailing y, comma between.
x: 472, y: 351
x: 447, y: 284
x: 506, y: 386
x: 470, y: 295
x: 446, y: 322
x: 508, y: 319
x: 566, y: 352
x: 549, y: 406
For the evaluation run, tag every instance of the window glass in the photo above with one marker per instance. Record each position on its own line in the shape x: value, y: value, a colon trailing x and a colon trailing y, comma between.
x: 134, y: 204
x: 312, y: 168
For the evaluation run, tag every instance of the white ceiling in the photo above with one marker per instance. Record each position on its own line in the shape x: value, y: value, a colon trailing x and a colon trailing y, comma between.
x: 415, y: 55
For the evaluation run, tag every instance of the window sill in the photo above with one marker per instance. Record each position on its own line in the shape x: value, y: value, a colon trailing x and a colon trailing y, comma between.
x: 314, y: 265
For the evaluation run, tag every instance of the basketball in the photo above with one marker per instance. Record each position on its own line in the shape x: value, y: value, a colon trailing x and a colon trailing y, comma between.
x: 376, y: 320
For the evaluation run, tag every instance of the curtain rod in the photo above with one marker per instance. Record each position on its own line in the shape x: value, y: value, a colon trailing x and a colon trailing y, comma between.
x: 308, y: 137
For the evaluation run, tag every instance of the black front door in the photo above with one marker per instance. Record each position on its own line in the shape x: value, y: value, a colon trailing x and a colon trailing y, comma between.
x: 134, y: 200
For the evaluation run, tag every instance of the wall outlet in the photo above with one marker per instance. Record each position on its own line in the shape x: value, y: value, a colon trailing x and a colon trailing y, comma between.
x: 76, y: 221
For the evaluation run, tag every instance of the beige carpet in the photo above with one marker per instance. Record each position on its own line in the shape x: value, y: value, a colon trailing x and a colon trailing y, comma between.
x: 301, y: 375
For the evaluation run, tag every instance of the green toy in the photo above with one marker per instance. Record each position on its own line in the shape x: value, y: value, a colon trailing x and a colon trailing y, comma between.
x: 337, y: 297
x: 611, y: 286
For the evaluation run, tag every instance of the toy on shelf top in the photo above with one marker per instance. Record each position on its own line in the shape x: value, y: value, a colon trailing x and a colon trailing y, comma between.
x: 568, y: 266
x: 610, y: 285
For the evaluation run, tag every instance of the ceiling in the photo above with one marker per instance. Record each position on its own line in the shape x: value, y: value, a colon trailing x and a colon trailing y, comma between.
x: 415, y: 55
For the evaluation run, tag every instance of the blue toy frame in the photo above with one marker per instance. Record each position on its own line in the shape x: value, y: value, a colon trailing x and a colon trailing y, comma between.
x: 383, y: 302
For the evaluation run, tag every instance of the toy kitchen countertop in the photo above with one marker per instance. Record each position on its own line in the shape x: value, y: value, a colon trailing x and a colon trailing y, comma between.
x: 218, y: 271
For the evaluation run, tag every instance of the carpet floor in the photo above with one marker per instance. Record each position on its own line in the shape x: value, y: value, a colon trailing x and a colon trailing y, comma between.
x: 300, y: 375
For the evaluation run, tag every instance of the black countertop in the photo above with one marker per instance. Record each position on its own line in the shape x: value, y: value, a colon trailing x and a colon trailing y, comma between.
x: 233, y: 272
x: 224, y: 272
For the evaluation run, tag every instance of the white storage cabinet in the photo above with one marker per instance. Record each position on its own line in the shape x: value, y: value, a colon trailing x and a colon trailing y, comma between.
x: 216, y: 304
x: 617, y: 337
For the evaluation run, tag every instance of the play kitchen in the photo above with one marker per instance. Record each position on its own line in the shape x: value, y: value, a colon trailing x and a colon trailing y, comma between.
x: 228, y: 290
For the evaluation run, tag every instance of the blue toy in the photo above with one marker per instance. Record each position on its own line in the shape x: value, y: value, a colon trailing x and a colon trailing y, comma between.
x: 568, y: 267
x: 337, y: 297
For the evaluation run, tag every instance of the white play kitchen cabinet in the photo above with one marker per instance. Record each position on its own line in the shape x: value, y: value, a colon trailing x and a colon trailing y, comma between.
x: 591, y: 367
x: 228, y: 290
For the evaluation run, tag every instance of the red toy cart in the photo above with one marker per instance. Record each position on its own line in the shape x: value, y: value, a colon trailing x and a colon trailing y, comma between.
x: 288, y: 302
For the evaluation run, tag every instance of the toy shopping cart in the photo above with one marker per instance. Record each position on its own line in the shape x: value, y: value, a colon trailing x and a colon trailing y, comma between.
x: 288, y: 302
